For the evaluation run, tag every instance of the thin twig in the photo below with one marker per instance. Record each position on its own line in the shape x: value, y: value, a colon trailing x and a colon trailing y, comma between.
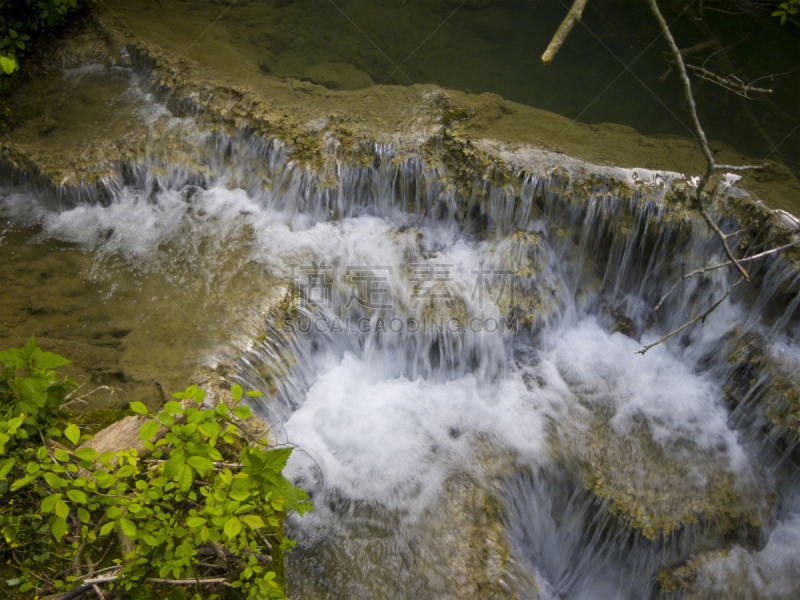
x: 693, y: 321
x: 723, y: 238
x: 217, y: 464
x: 737, y: 87
x: 719, y: 266
x: 91, y: 583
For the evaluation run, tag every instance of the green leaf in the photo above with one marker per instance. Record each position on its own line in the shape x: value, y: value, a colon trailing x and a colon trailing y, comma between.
x: 125, y: 471
x: 104, y: 478
x: 148, y: 430
x: 185, y: 478
x: 60, y: 455
x: 104, y: 457
x: 30, y: 389
x: 232, y: 527
x: 49, y: 504
x: 221, y: 409
x: 73, y: 433
x: 254, y: 393
x: 195, y: 522
x: 22, y: 482
x: 77, y: 496
x: 173, y: 408
x: 61, y: 509
x: 50, y: 360
x: 41, y: 452
x: 253, y: 521
x: 138, y: 407
x: 106, y: 529
x: 226, y: 476
x: 86, y: 453
x: 128, y: 528
x: 236, y: 392
x: 6, y: 465
x: 200, y: 463
x: 54, y: 481
x: 59, y: 528
x: 242, y: 412
x: 11, y: 358
x: 173, y: 465
x: 276, y: 459
x: 112, y: 512
x: 83, y: 515
x: 27, y: 350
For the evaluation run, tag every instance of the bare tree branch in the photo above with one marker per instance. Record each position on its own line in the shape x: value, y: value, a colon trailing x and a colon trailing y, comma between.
x: 710, y: 160
x: 573, y: 16
x: 90, y: 584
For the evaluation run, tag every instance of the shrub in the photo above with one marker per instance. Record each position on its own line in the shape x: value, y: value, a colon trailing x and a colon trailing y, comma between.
x: 187, y: 515
x: 22, y: 19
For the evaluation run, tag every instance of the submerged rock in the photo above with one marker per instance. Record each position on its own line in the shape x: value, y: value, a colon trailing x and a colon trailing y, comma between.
x: 336, y: 76
x: 663, y: 491
x: 770, y: 573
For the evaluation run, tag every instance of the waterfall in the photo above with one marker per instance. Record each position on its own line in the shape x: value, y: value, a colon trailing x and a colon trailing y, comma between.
x: 458, y: 371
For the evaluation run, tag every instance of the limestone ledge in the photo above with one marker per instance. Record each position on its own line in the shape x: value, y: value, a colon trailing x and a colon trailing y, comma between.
x: 474, y: 137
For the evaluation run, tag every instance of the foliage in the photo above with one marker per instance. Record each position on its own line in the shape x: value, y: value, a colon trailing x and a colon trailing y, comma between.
x: 187, y: 515
x: 791, y: 7
x: 23, y: 18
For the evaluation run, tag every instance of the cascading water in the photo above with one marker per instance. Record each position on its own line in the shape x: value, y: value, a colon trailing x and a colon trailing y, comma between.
x: 460, y: 378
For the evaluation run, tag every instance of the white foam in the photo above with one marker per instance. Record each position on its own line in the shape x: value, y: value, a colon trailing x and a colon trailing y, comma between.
x: 658, y: 388
x: 395, y: 440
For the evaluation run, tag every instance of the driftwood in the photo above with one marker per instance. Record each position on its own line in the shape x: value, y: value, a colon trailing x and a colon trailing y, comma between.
x: 124, y: 435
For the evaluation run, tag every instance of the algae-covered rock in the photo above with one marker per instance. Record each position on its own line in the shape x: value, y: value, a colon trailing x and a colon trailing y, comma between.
x: 467, y: 545
x: 684, y: 576
x: 664, y: 489
x: 770, y: 573
x: 763, y: 382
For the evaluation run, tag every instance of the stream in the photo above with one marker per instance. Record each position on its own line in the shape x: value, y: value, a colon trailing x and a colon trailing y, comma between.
x: 461, y: 384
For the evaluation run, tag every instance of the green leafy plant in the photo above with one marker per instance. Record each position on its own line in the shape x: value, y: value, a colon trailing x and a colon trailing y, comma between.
x: 204, y: 509
x: 787, y: 8
x: 23, y: 18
